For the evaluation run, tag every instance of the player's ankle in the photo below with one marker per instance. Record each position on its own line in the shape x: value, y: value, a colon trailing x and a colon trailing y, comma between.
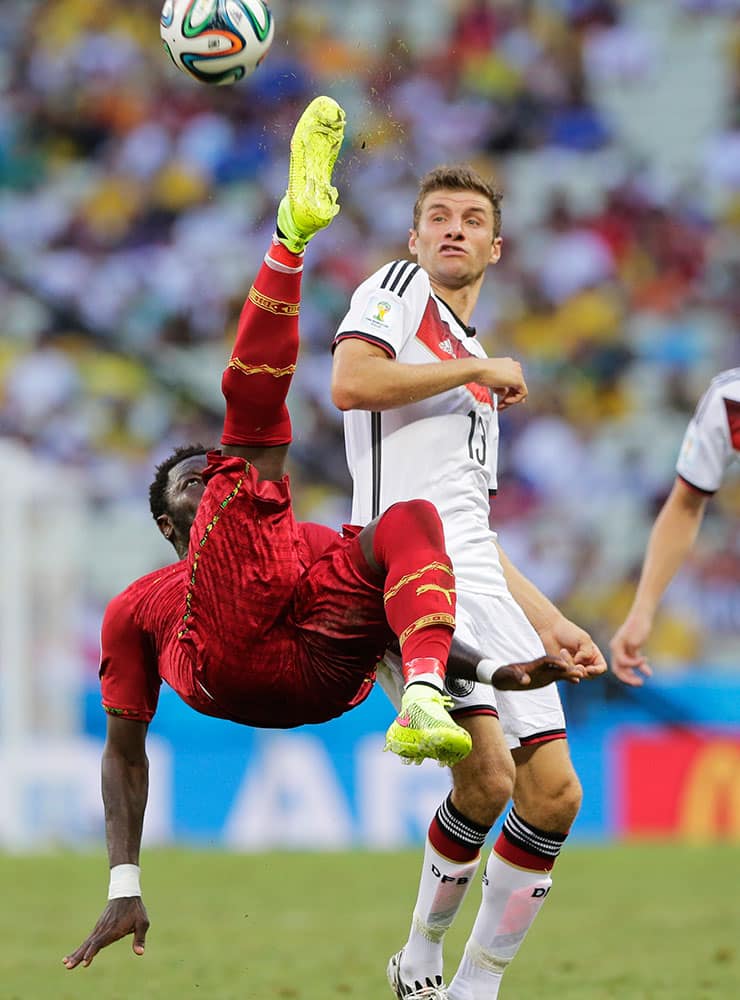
x: 424, y: 670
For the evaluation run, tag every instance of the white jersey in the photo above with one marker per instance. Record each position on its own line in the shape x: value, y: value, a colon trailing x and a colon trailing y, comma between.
x: 443, y: 449
x: 712, y: 439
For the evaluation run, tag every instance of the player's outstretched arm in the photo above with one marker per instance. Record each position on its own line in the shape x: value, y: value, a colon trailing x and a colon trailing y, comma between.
x: 125, y: 780
x: 468, y: 664
x: 671, y: 538
x: 561, y: 637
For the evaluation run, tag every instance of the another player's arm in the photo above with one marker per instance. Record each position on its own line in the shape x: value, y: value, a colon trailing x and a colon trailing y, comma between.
x: 467, y: 663
x: 365, y: 377
x: 560, y: 636
x: 671, y: 539
x: 125, y: 782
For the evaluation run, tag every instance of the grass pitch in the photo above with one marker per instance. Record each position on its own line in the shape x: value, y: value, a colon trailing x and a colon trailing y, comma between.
x: 631, y: 922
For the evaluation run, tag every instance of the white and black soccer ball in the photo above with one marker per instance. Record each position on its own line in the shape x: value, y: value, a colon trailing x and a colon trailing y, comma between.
x: 217, y: 41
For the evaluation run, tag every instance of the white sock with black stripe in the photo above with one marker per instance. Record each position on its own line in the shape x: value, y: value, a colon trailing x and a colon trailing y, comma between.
x: 515, y: 885
x: 451, y: 858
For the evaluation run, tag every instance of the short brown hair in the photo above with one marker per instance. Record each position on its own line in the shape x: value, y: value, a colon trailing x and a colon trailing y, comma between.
x: 459, y: 178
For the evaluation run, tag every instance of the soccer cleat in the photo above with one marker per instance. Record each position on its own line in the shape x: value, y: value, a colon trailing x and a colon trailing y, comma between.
x: 310, y: 203
x: 416, y: 991
x: 425, y: 729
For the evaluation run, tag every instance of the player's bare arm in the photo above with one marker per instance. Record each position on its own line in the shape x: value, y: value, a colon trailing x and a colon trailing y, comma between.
x: 466, y: 663
x: 671, y: 539
x: 125, y: 781
x: 364, y: 377
x: 560, y: 636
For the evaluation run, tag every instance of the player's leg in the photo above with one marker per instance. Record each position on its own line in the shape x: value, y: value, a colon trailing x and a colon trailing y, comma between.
x: 259, y: 372
x: 547, y: 796
x: 482, y: 786
x: 406, y: 544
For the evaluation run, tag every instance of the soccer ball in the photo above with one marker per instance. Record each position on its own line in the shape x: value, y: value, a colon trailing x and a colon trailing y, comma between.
x: 216, y: 41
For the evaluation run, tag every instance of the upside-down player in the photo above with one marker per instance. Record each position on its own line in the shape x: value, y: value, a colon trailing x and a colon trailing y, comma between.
x: 265, y: 621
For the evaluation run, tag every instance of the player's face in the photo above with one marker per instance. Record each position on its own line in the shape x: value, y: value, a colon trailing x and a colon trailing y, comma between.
x: 454, y: 242
x: 184, y: 492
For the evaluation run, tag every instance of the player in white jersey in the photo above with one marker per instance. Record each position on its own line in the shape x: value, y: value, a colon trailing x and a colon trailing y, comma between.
x: 422, y: 399
x: 711, y: 443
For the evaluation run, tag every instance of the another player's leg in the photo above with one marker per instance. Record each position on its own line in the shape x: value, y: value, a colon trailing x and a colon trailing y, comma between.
x: 482, y: 785
x: 419, y: 596
x: 517, y: 882
x: 258, y: 375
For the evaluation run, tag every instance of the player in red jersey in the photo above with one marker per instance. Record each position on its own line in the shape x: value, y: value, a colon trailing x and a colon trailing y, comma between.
x: 266, y: 621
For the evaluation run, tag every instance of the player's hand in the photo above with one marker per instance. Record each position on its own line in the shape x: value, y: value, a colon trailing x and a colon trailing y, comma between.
x: 627, y: 661
x: 564, y: 638
x: 505, y: 377
x: 537, y: 673
x: 119, y: 918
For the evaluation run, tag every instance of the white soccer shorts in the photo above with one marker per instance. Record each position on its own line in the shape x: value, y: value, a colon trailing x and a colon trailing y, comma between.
x: 498, y: 627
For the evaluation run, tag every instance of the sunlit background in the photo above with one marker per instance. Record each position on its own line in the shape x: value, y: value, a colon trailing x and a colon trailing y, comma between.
x: 135, y: 206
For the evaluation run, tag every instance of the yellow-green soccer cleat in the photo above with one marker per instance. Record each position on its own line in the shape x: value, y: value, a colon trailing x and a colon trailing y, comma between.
x: 310, y: 202
x: 425, y: 729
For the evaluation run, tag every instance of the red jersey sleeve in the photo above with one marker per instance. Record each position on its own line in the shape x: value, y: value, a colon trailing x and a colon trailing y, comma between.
x: 129, y: 678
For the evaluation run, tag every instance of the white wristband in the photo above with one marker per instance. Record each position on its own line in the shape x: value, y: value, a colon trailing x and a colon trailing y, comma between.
x: 485, y: 670
x: 124, y: 881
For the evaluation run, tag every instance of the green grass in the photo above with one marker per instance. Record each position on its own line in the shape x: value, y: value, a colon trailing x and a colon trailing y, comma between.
x: 634, y: 922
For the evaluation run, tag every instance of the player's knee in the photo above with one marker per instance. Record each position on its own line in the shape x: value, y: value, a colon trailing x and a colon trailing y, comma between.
x: 482, y: 797
x: 420, y: 516
x: 413, y: 524
x: 553, y: 804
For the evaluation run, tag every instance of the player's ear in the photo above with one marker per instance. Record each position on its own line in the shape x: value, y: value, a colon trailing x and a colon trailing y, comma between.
x: 412, y: 241
x: 496, y: 250
x: 165, y: 525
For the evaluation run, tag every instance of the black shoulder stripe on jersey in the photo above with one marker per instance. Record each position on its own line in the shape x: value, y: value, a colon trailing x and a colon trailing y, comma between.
x: 399, y: 271
x: 389, y: 273
x: 409, y: 279
x: 377, y: 448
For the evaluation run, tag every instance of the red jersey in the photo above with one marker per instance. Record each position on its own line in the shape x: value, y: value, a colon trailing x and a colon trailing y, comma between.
x: 267, y: 621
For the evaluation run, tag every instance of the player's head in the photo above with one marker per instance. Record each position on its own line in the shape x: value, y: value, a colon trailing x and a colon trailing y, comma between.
x: 456, y: 225
x: 459, y: 178
x: 175, y: 493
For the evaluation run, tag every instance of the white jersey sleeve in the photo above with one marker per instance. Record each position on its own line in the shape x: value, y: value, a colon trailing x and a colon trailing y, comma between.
x: 386, y: 308
x: 712, y: 439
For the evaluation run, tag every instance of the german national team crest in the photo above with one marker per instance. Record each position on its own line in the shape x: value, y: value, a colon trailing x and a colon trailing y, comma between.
x: 458, y: 687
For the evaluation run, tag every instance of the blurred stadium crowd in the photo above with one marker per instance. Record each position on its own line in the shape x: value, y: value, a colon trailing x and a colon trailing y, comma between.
x: 135, y: 206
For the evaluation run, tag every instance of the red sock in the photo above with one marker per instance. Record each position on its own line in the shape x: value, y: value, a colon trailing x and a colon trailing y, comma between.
x: 260, y: 370
x: 419, y: 587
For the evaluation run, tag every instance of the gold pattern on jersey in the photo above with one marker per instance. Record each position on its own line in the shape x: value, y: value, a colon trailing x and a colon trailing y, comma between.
x: 209, y: 528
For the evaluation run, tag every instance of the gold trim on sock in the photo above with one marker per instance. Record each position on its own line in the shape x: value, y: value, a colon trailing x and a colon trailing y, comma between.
x: 436, y: 619
x: 433, y: 586
x: 392, y: 591
x: 239, y: 366
x: 273, y: 305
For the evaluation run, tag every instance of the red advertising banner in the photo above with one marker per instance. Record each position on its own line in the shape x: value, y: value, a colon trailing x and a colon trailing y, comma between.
x: 680, y: 783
